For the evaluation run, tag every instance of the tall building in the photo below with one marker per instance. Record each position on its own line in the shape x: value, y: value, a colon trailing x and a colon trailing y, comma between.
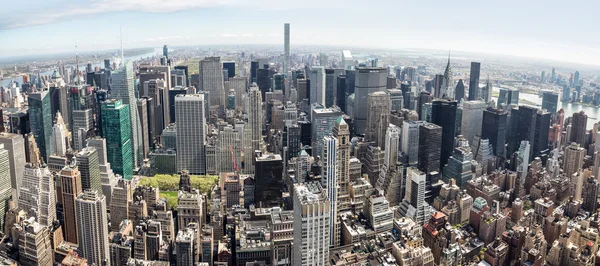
x: 550, y: 101
x: 286, y: 48
x: 123, y: 88
x: 474, y: 81
x: 59, y: 134
x: 414, y: 205
x: 5, y: 184
x: 117, y: 130
x: 70, y: 185
x: 107, y: 176
x: 430, y: 147
x: 493, y: 128
x: 591, y: 187
x: 191, y: 133
x: 410, y: 140
x: 89, y: 167
x: 317, y: 85
x: 211, y: 80
x: 142, y: 109
x: 311, y: 225
x: 459, y: 167
x: 191, y: 205
x: 443, y: 114
x: 34, y: 244
x: 341, y: 132
x: 40, y: 119
x: 268, y: 171
x: 92, y: 227
x: 38, y: 195
x: 186, y: 247
x: 472, y: 115
x: 368, y: 80
x: 573, y: 160
x: 579, y: 128
x: 329, y: 183
x: 15, y: 144
x: 459, y: 91
x: 255, y: 121
x: 448, y: 84
x: 378, y: 113
x: 531, y: 124
x: 322, y: 122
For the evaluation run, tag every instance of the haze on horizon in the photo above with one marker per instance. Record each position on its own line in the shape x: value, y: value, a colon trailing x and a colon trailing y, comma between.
x: 550, y: 30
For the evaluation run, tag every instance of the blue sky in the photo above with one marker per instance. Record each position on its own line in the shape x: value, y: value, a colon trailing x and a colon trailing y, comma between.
x: 559, y: 30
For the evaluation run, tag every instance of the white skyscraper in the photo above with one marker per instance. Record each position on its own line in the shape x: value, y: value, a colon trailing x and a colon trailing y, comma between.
x: 123, y: 88
x: 523, y: 159
x: 311, y: 225
x: 5, y: 189
x: 92, y: 228
x: 59, y: 133
x: 254, y: 129
x: 38, y: 195
x: 317, y: 85
x: 211, y: 80
x: 15, y: 144
x: 414, y: 205
x: 286, y: 47
x: 329, y: 181
x: 191, y: 133
x: 410, y: 140
x: 472, y: 115
x: 392, y: 146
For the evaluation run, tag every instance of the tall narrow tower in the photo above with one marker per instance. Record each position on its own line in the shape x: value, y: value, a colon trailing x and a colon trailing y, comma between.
x: 92, y: 229
x: 286, y: 47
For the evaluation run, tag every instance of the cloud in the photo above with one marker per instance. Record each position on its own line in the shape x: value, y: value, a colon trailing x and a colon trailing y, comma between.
x: 228, y: 35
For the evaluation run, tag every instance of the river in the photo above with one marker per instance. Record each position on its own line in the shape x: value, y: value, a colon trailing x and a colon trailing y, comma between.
x: 19, y: 79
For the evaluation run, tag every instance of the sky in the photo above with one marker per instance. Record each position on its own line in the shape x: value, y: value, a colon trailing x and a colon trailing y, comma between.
x: 556, y: 30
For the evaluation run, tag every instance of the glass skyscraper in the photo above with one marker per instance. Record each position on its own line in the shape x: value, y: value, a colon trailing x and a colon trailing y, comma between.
x: 40, y: 116
x: 116, y: 127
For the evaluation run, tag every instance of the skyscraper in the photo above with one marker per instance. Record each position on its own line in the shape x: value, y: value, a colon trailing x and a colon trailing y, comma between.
x: 472, y: 115
x: 211, y: 80
x: 59, y: 134
x: 430, y: 146
x: 117, y: 130
x: 579, y: 128
x: 70, y: 184
x: 459, y: 167
x: 268, y: 169
x: 573, y: 159
x: 286, y: 48
x: 40, y: 119
x: 443, y: 114
x: 410, y: 141
x: 414, y: 205
x: 15, y: 144
x: 528, y: 123
x: 317, y: 85
x: 550, y: 101
x: 5, y: 188
x: 191, y: 134
x: 378, y: 113
x: 311, y: 225
x: 341, y: 132
x: 322, y: 122
x: 448, y: 85
x: 89, y: 168
x: 329, y: 182
x: 474, y: 81
x: 368, y: 80
x: 459, y: 92
x: 493, y: 128
x: 142, y: 110
x: 92, y: 227
x: 255, y: 123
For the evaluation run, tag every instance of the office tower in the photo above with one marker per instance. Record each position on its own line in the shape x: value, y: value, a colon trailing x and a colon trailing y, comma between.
x: 191, y: 134
x: 392, y: 144
x: 83, y: 123
x: 59, y: 134
x: 459, y: 91
x: 40, y: 117
x: 472, y: 115
x: 15, y: 144
x: 579, y: 128
x: 268, y: 170
x: 576, y: 79
x: 172, y: 93
x: 59, y: 103
x: 347, y: 60
x: 443, y: 114
x: 255, y: 124
x: 459, y: 167
x: 448, y: 83
x: 378, y: 113
x: 591, y: 187
x: 573, y: 161
x: 513, y: 97
x: 567, y: 94
x: 341, y: 132
x: 531, y: 124
x: 87, y: 162
x: 186, y: 247
x: 92, y: 229
x: 368, y: 80
x: 5, y: 184
x: 230, y: 67
x: 123, y: 88
x: 311, y: 225
x: 142, y: 110
x: 107, y: 177
x: 38, y: 196
x: 317, y: 85
x: 523, y: 154
x: 423, y: 99
x: 329, y: 183
x: 238, y: 85
x: 550, y: 101
x: 211, y: 80
x: 165, y: 51
x: 191, y: 204
x: 430, y: 147
x: 117, y: 130
x: 410, y: 140
x: 330, y: 86
x: 437, y: 83
x: 70, y: 184
x: 487, y: 91
x: 34, y: 243
x: 493, y: 128
x: 119, y: 206
x: 322, y: 122
x: 229, y: 149
x: 414, y: 205
x: 263, y: 80
x: 474, y: 81
x: 286, y: 48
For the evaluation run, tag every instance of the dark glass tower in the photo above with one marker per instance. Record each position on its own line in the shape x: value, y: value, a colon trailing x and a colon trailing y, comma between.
x: 531, y: 124
x: 474, y: 81
x: 578, y: 128
x: 40, y: 118
x: 430, y: 140
x: 230, y: 66
x: 341, y: 92
x: 269, y: 181
x: 550, y: 102
x: 443, y: 114
x: 459, y: 92
x: 495, y: 122
x: 116, y: 128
